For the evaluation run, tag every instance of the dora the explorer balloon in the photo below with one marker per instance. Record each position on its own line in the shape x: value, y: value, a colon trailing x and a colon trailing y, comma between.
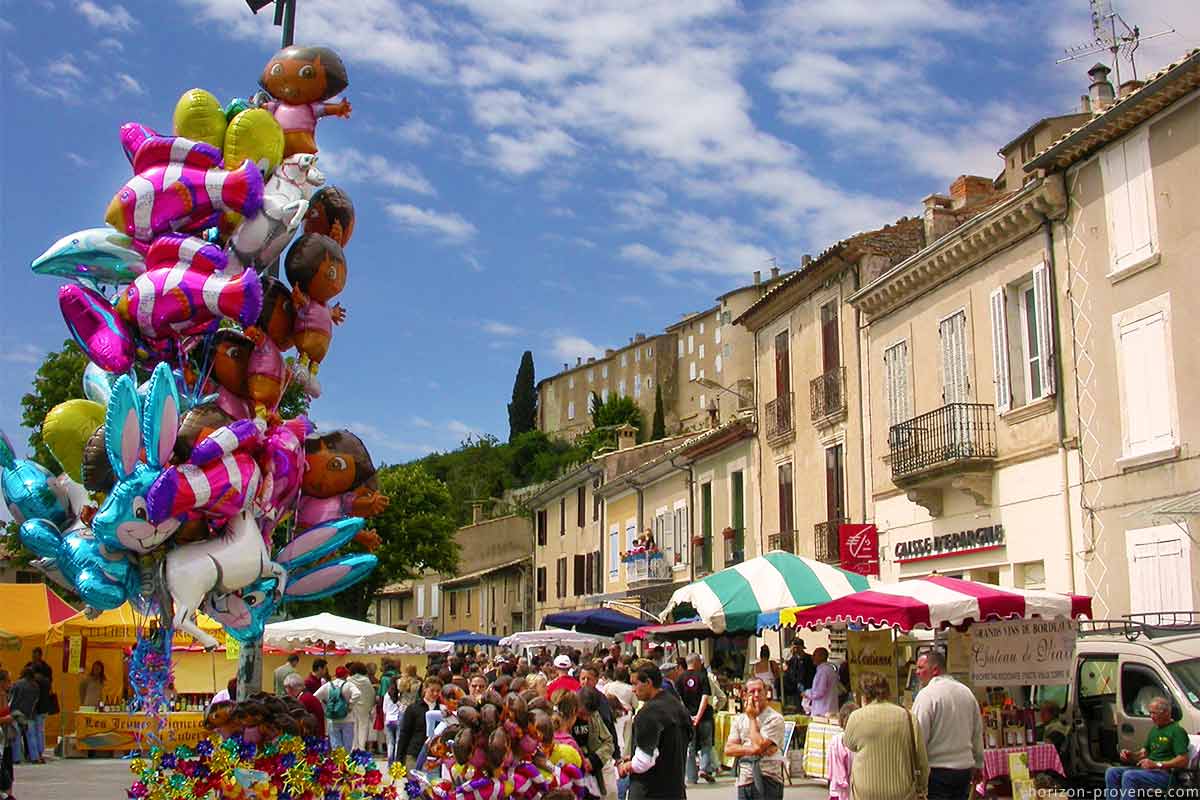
x: 272, y: 337
x: 316, y: 268
x: 330, y: 212
x: 339, y: 480
x: 299, y: 81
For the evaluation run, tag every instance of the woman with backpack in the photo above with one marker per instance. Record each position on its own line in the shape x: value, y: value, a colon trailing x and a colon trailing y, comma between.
x: 337, y: 697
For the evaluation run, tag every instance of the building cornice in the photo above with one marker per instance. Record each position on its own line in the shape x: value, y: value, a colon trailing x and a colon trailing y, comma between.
x: 963, y: 247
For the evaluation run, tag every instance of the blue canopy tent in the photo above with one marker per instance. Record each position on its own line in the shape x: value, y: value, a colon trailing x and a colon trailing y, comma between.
x: 602, y: 621
x: 465, y: 637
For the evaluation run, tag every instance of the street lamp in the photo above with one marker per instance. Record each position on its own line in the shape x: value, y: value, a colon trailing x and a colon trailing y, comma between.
x: 709, y: 383
x: 285, y: 16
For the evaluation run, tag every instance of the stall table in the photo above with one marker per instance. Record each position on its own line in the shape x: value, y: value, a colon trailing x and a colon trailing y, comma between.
x: 724, y: 721
x: 1042, y: 758
x: 122, y: 731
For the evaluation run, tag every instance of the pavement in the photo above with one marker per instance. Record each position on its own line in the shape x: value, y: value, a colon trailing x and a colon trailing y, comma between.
x: 109, y: 778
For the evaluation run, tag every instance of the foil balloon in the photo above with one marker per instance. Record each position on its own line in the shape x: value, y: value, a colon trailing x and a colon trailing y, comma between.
x: 103, y: 579
x: 186, y: 290
x: 94, y: 325
x: 178, y: 185
x: 199, y: 117
x: 272, y: 336
x: 30, y: 491
x: 97, y: 384
x: 220, y: 477
x: 316, y: 268
x: 339, y: 480
x: 253, y: 136
x: 300, y: 81
x: 231, y: 352
x: 331, y: 213
x: 263, y: 237
x: 282, y: 463
x: 94, y: 255
x: 96, y: 473
x: 66, y: 431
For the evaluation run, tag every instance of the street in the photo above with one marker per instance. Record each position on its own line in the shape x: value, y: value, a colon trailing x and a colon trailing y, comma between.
x: 104, y: 778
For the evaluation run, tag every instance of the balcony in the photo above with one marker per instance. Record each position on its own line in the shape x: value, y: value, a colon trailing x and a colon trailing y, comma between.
x: 825, y: 541
x: 642, y: 569
x: 780, y: 424
x: 827, y: 396
x: 784, y: 540
x: 951, y: 447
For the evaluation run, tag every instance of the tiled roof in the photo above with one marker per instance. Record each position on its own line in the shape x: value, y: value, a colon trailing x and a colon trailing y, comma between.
x: 1162, y: 88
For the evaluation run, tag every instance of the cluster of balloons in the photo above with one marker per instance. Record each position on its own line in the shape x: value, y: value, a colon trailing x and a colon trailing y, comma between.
x: 186, y: 490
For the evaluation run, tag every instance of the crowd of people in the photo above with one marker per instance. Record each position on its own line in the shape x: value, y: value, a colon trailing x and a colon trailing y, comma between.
x: 24, y: 705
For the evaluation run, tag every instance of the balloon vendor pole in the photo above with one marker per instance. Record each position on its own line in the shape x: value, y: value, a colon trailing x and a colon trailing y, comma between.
x: 250, y: 665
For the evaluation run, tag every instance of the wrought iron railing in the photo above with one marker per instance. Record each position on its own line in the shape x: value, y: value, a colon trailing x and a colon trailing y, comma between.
x: 780, y: 422
x: 825, y: 541
x: 646, y: 567
x: 784, y: 540
x: 953, y: 433
x: 827, y: 393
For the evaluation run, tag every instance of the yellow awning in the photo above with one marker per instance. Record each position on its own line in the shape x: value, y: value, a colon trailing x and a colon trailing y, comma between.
x: 29, y: 609
x: 120, y: 625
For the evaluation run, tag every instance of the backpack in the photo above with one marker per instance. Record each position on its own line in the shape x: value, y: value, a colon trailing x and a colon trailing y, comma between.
x: 336, y: 706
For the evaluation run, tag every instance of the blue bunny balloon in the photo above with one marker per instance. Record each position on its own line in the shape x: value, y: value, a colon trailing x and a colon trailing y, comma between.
x: 104, y: 580
x: 30, y: 491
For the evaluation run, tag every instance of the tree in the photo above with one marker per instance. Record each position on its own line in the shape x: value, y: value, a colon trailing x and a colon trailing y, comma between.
x: 58, y: 379
x: 522, y: 411
x: 416, y: 533
x: 658, y: 429
x: 606, y: 418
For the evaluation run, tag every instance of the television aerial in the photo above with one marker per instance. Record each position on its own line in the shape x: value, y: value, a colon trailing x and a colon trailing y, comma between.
x: 1111, y: 34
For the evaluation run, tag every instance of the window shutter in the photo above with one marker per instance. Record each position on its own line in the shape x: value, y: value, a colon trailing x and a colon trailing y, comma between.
x: 1042, y: 301
x: 1116, y: 197
x: 1000, y: 351
x: 1141, y: 196
x: 905, y: 404
x: 955, y: 386
x: 667, y: 538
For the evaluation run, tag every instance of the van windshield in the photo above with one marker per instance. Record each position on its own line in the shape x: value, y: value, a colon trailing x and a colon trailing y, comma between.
x: 1187, y: 675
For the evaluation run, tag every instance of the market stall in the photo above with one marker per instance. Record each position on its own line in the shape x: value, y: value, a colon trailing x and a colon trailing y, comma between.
x: 601, y: 621
x: 466, y: 638
x: 332, y: 631
x: 554, y: 637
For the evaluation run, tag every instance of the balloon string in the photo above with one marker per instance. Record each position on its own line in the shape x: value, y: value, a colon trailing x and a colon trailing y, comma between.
x: 209, y: 363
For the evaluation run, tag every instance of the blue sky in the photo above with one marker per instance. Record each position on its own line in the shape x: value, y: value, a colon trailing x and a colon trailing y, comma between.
x: 538, y: 175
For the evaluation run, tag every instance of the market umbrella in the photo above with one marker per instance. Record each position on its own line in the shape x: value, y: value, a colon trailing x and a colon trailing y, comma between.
x: 603, y: 621
x: 334, y: 631
x: 468, y: 638
x: 554, y: 637
x: 732, y: 599
x: 937, y: 602
x: 685, y: 629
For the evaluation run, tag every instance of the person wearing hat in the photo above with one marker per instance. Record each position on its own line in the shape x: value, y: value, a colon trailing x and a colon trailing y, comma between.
x: 562, y: 665
x: 696, y: 693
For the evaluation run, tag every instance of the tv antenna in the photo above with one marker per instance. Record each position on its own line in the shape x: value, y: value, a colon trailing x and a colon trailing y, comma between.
x: 1111, y: 34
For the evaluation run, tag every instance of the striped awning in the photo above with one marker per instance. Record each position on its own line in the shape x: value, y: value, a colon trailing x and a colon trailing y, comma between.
x: 732, y: 599
x: 937, y: 602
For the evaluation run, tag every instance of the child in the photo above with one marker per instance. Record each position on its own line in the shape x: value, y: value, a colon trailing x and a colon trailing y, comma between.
x: 299, y: 81
x: 392, y: 708
x: 840, y: 758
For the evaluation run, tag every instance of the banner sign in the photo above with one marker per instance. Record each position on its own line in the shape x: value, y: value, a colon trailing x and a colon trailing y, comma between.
x: 988, y: 537
x: 1022, y: 651
x: 120, y: 731
x: 74, y: 654
x: 858, y: 549
x: 871, y: 651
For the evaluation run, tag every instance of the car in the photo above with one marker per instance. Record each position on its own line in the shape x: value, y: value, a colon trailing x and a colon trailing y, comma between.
x: 1120, y: 665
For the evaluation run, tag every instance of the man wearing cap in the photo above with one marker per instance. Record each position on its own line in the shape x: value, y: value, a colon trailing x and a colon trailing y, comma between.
x: 562, y: 665
x: 696, y: 693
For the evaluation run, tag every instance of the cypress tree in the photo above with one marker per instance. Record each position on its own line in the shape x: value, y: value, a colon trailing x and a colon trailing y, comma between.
x: 522, y: 411
x: 658, y: 429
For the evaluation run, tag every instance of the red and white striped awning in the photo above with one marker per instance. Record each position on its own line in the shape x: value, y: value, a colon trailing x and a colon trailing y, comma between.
x: 937, y: 602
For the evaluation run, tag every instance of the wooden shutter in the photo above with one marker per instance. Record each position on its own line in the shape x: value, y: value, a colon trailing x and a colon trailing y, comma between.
x: 581, y: 506
x: 1149, y: 422
x: 1000, y: 367
x: 786, y: 518
x: 541, y: 584
x: 580, y: 574
x: 895, y: 365
x: 1159, y: 570
x: 666, y: 537
x: 1141, y: 197
x: 597, y: 571
x: 542, y: 524
x: 831, y: 356
x: 1045, y: 332
x: 562, y: 516
x: 956, y: 387
x: 783, y: 368
x: 589, y: 581
x: 1116, y: 203
x: 835, y: 497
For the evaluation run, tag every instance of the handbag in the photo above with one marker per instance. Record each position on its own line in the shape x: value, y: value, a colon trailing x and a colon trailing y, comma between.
x: 920, y: 791
x: 52, y: 706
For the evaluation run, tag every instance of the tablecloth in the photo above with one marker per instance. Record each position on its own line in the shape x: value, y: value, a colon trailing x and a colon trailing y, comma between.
x: 1042, y: 758
x: 816, y: 745
x: 724, y: 721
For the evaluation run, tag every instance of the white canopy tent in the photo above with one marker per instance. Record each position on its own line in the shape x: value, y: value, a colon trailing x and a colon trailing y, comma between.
x: 554, y: 637
x: 342, y: 633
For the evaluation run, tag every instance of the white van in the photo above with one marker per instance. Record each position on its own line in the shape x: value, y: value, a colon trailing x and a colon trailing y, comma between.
x: 1120, y: 665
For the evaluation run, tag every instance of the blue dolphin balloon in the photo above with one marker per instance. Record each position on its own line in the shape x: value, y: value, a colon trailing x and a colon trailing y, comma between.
x: 94, y: 255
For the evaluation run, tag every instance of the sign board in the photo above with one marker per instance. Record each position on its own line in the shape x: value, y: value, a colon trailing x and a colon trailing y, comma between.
x: 1022, y: 651
x: 858, y: 549
x: 988, y: 537
x: 871, y: 651
x: 121, y: 731
x: 958, y: 652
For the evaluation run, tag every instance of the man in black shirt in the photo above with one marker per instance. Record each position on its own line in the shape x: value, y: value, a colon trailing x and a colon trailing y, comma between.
x: 797, y: 675
x: 662, y: 730
x: 696, y: 693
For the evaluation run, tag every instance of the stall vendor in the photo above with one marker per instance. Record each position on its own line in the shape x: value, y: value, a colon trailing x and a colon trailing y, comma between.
x: 1053, y: 729
x: 1166, y: 750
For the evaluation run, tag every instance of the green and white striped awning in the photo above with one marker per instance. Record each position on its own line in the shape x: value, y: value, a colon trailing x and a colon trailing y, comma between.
x: 732, y: 599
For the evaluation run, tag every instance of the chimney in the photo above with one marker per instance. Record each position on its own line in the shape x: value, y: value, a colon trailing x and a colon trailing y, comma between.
x: 774, y: 273
x: 1085, y: 104
x: 578, y: 361
x: 968, y: 190
x: 640, y: 337
x: 476, y: 512
x: 805, y: 260
x: 1129, y: 87
x: 608, y: 352
x: 1100, y: 93
x: 626, y: 436
x: 566, y: 366
x: 757, y: 277
x: 938, y: 218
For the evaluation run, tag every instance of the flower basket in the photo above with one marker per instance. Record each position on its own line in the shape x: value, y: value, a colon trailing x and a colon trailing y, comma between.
x: 697, y: 540
x: 728, y: 534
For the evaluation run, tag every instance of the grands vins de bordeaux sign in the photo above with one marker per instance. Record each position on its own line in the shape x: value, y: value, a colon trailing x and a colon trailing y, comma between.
x: 950, y: 544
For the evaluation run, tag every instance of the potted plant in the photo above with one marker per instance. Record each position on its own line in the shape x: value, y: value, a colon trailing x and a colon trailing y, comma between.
x: 728, y: 534
x: 698, y: 540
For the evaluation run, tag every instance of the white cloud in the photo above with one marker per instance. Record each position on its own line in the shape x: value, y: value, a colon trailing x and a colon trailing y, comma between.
x: 416, y: 131
x: 520, y: 155
x: 449, y: 226
x: 22, y: 353
x: 421, y: 422
x: 351, y: 165
x: 461, y: 428
x: 380, y: 442
x: 701, y: 244
x: 114, y: 18
x: 569, y: 348
x: 500, y: 328
x: 6, y: 26
x: 128, y: 84
x: 78, y: 160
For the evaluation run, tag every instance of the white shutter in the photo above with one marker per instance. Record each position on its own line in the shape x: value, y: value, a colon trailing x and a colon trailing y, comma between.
x: 420, y: 590
x: 1141, y: 197
x: 1146, y: 384
x: 1159, y: 570
x: 1045, y: 331
x: 1000, y: 368
x: 955, y: 386
x: 435, y: 594
x: 1116, y: 203
x: 667, y: 538
x: 630, y: 534
x: 614, y: 548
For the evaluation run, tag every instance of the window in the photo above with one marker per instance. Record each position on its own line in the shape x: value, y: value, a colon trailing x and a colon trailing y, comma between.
x: 681, y: 348
x: 571, y: 409
x: 787, y: 520
x: 649, y: 352
x: 621, y: 388
x: 700, y: 352
x: 562, y: 516
x: 468, y: 593
x: 726, y: 317
x: 591, y: 373
x: 692, y: 371
x: 727, y: 350
x: 624, y: 359
x: 835, y: 483
x: 604, y: 371
x: 1159, y: 569
x: 614, y: 550
x: 580, y: 506
x: 571, y: 382
x: 1129, y: 201
x: 717, y: 365
x: 420, y: 592
x: 895, y: 373
x: 704, y: 559
x: 664, y: 533
x: 595, y: 503
x: 737, y: 502
x: 691, y: 344
x: 541, y: 584
x: 1026, y: 305
x: 595, y: 572
x: 542, y: 526
x: 1139, y: 685
x: 831, y: 357
x: 649, y: 382
x: 717, y: 335
x: 1146, y: 377
x: 637, y: 386
x: 435, y: 596
x: 701, y: 328
x: 589, y: 578
x: 592, y: 402
x: 604, y: 395
x: 637, y: 356
x: 1032, y: 575
x: 1097, y: 677
x: 630, y: 533
x: 680, y: 545
x: 783, y: 368
x: 703, y: 402
x: 560, y: 577
x: 454, y: 604
x: 701, y: 374
x: 952, y: 331
x: 580, y: 574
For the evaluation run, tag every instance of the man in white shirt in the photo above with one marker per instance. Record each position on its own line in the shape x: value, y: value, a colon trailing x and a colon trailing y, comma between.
x: 756, y: 740
x: 949, y: 716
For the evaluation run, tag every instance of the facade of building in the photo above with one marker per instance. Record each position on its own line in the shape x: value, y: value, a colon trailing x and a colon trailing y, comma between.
x: 1126, y: 248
